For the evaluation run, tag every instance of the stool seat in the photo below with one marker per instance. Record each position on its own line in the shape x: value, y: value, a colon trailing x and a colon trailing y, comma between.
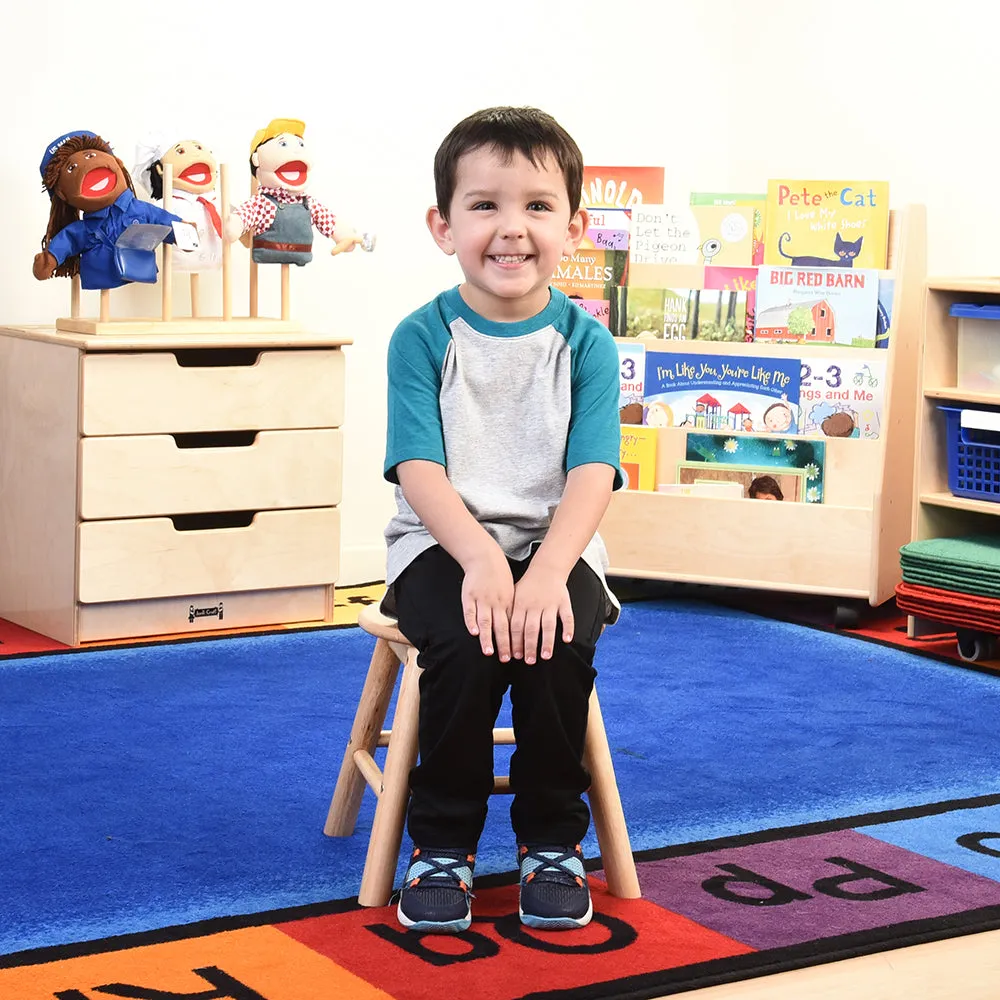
x: 379, y: 625
x: 391, y: 782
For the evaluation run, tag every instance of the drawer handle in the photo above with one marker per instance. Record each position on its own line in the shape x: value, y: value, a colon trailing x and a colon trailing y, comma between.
x: 213, y: 520
x: 215, y: 439
x: 217, y: 357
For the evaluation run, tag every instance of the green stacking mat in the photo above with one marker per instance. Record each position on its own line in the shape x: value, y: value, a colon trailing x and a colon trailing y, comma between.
x: 968, y: 564
x: 948, y: 581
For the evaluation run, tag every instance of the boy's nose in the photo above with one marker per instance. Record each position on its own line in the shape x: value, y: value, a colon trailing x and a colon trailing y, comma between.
x: 511, y: 226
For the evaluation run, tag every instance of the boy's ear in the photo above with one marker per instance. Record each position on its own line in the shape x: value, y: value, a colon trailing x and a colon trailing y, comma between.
x: 577, y: 230
x: 440, y: 229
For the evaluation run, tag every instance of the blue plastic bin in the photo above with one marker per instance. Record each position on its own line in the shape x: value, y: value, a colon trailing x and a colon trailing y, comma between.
x: 973, y: 457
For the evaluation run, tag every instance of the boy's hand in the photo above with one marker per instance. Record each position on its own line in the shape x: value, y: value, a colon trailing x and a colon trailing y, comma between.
x: 540, y: 597
x: 487, y: 598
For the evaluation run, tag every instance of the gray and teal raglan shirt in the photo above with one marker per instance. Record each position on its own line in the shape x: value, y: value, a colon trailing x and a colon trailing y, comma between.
x: 508, y: 409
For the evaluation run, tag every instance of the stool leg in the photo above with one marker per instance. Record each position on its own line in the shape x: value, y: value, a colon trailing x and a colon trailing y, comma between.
x: 387, y: 828
x: 368, y: 720
x: 606, y: 808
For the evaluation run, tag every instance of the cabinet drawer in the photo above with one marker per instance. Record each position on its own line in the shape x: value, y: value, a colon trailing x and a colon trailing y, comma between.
x: 149, y: 557
x: 146, y: 475
x: 163, y: 392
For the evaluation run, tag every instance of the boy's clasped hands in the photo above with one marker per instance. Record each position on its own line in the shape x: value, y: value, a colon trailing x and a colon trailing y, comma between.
x: 518, y: 615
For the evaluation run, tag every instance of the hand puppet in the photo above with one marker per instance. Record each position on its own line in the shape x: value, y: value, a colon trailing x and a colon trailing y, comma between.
x: 194, y: 197
x: 92, y: 202
x: 280, y: 217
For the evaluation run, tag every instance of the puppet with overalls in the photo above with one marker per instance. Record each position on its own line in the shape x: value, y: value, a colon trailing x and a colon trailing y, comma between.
x: 280, y: 217
x: 81, y: 174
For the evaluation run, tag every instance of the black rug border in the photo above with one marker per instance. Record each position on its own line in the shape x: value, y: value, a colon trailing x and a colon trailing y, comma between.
x: 646, y: 986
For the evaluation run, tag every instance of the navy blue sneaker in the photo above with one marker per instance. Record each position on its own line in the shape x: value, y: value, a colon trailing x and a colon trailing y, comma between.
x: 555, y: 895
x: 437, y: 892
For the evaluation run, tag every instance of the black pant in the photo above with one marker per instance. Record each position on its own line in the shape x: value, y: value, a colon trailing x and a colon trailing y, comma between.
x: 460, y: 695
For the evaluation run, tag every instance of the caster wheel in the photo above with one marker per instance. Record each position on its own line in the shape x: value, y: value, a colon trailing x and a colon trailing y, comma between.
x: 973, y: 646
x: 845, y: 616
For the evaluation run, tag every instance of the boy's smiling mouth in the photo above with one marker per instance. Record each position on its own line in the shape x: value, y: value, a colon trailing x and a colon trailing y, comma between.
x: 509, y: 259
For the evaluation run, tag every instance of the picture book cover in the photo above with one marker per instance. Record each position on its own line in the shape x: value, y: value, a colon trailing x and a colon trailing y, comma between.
x: 607, y: 229
x: 883, y: 323
x: 716, y: 392
x: 686, y: 314
x: 757, y: 202
x: 720, y: 235
x: 743, y: 281
x: 638, y: 457
x: 631, y: 375
x: 621, y: 187
x: 772, y: 468
x: 691, y: 303
x: 841, y: 396
x: 589, y: 277
x: 835, y: 306
x: 826, y: 223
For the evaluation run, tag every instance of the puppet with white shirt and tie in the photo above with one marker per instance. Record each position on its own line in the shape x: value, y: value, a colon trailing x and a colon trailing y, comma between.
x: 194, y: 197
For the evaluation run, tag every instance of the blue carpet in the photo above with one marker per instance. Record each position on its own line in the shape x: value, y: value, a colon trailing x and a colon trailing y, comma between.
x: 150, y: 786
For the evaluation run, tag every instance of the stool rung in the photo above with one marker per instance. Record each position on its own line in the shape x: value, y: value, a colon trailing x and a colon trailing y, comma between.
x: 501, y: 785
x: 370, y: 771
x: 501, y: 737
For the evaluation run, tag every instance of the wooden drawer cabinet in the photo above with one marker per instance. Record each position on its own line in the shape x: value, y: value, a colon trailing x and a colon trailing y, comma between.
x: 145, y: 475
x: 154, y: 484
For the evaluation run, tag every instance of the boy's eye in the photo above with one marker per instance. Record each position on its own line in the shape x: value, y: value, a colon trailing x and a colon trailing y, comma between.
x: 538, y: 206
x: 483, y: 206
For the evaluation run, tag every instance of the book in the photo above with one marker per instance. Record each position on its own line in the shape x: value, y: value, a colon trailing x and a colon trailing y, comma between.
x: 835, y: 306
x: 638, y: 457
x: 689, y: 302
x: 883, y: 321
x: 608, y: 229
x: 714, y: 392
x: 757, y: 202
x: 797, y: 466
x: 719, y: 235
x: 631, y: 375
x: 621, y: 187
x: 704, y: 488
x: 826, y: 223
x: 841, y: 396
x: 589, y: 277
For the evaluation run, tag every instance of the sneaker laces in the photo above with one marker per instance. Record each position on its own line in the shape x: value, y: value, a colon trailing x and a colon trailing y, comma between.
x: 553, y: 864
x: 442, y: 867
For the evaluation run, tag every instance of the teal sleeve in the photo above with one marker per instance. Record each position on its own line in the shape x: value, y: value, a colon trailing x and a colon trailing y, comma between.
x: 416, y: 357
x: 595, y: 427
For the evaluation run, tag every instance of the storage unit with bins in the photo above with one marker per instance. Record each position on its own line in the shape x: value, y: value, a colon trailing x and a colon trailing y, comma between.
x: 957, y: 474
x: 169, y: 482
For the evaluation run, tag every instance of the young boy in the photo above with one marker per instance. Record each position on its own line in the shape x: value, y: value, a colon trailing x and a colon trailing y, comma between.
x: 503, y: 440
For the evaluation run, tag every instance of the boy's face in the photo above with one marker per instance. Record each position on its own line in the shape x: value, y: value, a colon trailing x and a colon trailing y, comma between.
x: 509, y: 226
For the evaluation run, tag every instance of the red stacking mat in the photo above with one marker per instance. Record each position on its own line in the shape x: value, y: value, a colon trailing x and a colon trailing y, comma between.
x: 971, y: 611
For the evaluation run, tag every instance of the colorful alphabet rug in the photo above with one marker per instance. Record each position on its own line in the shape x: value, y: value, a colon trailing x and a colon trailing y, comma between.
x: 711, y: 912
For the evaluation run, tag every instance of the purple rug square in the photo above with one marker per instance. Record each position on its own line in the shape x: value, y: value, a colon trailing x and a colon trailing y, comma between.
x: 785, y: 892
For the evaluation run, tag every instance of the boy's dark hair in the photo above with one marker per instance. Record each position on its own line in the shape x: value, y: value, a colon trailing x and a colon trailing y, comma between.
x: 528, y: 131
x: 765, y: 484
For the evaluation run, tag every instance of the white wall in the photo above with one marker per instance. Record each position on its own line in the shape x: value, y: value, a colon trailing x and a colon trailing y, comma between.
x: 724, y: 94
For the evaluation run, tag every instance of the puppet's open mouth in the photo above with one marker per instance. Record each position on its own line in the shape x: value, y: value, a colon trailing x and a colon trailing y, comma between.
x: 98, y: 182
x: 197, y: 174
x: 293, y: 172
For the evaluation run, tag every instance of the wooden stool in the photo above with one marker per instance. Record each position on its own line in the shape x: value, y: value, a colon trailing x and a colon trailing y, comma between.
x: 391, y: 784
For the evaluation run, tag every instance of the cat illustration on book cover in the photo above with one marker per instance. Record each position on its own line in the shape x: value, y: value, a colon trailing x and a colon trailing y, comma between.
x: 845, y: 251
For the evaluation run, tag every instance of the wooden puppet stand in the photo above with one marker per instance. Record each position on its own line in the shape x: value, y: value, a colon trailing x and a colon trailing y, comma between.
x: 166, y: 322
